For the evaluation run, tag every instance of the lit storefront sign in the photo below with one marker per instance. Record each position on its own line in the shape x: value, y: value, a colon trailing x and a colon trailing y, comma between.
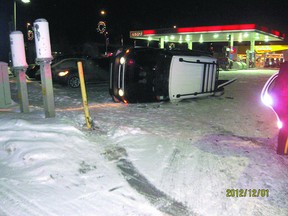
x: 270, y: 48
x: 136, y: 33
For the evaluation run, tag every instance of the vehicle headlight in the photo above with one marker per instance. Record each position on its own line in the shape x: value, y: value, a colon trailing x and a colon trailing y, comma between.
x: 279, y: 124
x: 267, y: 100
x: 121, y: 92
x: 122, y: 60
x: 63, y: 73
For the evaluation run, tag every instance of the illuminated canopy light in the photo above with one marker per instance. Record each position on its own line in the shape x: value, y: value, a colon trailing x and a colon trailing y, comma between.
x: 166, y: 39
x: 215, y: 35
x: 201, y: 40
x: 172, y: 37
x: 257, y: 36
x: 240, y: 38
x: 188, y: 38
x: 26, y: 1
x: 180, y: 39
x: 149, y: 38
x: 248, y: 29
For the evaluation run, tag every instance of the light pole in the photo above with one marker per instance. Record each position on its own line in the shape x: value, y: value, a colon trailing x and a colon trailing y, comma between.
x: 102, y: 29
x: 15, y: 11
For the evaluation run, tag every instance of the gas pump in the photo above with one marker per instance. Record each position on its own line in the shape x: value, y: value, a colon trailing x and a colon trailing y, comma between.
x: 250, y: 59
x: 275, y: 95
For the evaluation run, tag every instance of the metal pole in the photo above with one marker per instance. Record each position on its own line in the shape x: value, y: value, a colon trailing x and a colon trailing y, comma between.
x: 15, y: 12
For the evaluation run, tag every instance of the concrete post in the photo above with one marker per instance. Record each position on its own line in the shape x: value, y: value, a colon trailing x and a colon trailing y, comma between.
x: 22, y: 88
x: 47, y: 87
x: 5, y: 92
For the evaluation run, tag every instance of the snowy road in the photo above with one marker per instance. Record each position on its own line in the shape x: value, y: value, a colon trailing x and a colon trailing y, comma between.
x: 182, y: 159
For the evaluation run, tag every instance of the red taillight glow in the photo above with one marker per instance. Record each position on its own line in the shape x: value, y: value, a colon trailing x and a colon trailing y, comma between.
x: 130, y: 62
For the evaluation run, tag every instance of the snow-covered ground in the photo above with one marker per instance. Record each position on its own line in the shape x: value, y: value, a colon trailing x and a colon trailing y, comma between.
x: 143, y: 159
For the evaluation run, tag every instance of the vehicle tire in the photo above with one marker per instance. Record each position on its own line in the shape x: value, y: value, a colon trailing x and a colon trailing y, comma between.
x: 73, y: 81
x: 282, y: 146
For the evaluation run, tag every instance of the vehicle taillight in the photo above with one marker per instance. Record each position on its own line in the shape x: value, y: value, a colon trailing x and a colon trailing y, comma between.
x: 130, y: 62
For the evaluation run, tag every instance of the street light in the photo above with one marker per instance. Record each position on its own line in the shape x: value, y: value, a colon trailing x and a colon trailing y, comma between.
x: 103, y: 12
x: 15, y: 11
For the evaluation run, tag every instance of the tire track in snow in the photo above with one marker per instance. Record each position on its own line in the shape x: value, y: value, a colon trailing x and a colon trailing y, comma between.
x: 16, y: 204
x: 169, y: 171
x: 159, y: 199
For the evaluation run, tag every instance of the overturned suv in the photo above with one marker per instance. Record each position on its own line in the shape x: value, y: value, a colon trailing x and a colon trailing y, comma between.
x: 152, y: 74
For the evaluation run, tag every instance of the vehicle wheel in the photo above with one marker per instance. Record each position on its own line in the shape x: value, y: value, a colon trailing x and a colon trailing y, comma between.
x: 282, y: 146
x: 73, y: 81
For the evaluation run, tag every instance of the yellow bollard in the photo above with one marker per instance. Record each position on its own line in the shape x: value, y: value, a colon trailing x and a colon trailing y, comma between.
x: 84, y: 95
x: 286, y: 147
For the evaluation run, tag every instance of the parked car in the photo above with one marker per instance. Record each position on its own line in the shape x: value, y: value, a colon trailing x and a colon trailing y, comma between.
x: 32, y: 72
x: 65, y: 71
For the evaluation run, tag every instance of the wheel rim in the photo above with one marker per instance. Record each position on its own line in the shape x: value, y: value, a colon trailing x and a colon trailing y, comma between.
x: 74, y: 82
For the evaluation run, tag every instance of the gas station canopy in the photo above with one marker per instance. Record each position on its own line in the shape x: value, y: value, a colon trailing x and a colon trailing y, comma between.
x: 220, y: 33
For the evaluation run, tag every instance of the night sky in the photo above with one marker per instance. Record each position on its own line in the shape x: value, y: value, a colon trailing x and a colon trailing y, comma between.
x: 75, y: 22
